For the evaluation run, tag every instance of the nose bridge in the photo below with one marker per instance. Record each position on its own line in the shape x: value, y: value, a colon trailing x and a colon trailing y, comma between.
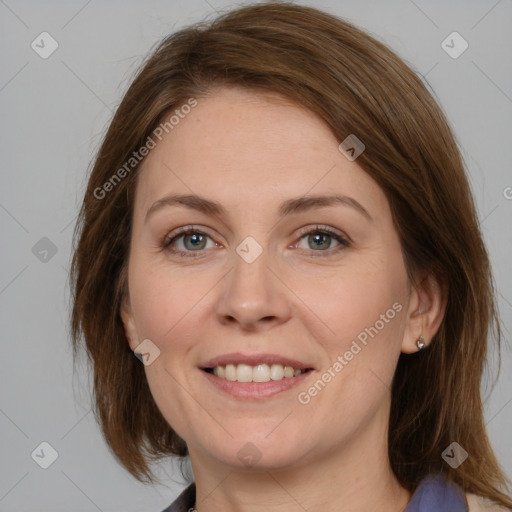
x: 251, y: 294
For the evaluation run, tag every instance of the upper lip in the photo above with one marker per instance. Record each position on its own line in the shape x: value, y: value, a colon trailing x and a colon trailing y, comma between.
x: 253, y: 360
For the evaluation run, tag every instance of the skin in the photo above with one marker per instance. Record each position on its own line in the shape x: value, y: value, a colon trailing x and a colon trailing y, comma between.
x: 300, y: 298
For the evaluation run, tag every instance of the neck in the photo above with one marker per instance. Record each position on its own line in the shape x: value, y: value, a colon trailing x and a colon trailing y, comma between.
x: 356, y: 477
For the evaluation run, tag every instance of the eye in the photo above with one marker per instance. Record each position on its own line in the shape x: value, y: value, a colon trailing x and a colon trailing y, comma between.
x: 320, y: 239
x: 192, y: 241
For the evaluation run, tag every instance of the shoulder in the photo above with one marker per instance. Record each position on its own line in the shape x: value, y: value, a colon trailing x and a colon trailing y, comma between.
x: 479, y: 504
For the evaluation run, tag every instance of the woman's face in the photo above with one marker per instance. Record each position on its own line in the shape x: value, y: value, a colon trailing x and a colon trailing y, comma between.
x: 259, y: 281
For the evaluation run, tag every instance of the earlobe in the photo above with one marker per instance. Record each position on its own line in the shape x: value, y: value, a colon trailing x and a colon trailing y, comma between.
x: 130, y: 329
x: 426, y: 311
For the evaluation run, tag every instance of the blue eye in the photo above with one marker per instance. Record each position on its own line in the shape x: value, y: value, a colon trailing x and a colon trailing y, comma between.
x: 194, y: 241
x: 321, y: 238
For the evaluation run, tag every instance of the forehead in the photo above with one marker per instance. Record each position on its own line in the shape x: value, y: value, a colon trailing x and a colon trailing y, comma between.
x: 246, y: 146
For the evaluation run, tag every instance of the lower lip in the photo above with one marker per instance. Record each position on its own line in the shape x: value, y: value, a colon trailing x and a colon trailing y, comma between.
x: 255, y: 390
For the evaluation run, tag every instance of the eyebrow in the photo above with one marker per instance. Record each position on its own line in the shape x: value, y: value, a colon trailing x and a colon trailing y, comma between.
x: 288, y: 207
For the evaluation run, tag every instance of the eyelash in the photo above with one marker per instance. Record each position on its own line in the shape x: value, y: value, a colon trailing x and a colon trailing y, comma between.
x: 168, y: 241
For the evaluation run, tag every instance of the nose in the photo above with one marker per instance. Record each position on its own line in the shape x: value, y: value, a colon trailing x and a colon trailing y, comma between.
x: 253, y: 296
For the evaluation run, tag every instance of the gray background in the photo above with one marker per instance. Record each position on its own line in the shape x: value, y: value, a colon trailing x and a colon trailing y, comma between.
x: 54, y: 112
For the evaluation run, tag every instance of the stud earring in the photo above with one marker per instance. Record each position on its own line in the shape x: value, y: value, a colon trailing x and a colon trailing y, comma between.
x: 420, y: 342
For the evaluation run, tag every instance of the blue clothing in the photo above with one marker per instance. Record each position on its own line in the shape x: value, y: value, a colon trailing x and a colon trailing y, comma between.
x: 434, y: 494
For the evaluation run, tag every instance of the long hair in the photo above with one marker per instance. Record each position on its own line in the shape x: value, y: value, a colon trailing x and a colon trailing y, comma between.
x: 355, y: 84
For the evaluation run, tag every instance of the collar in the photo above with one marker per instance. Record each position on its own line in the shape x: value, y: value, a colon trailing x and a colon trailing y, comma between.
x: 437, y: 494
x: 434, y: 494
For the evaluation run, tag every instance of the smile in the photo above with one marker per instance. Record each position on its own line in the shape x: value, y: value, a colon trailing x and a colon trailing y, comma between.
x: 255, y: 376
x: 258, y: 373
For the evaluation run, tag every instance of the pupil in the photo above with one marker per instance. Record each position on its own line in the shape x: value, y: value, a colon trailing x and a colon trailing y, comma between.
x: 195, y: 238
x: 318, y: 238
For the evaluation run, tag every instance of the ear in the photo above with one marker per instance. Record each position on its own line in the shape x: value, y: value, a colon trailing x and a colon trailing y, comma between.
x: 427, y: 305
x: 130, y: 329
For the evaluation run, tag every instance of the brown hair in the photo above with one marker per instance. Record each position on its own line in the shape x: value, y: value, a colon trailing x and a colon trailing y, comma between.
x: 357, y: 86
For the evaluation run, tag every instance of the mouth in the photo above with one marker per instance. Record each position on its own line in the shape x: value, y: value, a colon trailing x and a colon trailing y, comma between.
x: 257, y: 376
x: 259, y: 373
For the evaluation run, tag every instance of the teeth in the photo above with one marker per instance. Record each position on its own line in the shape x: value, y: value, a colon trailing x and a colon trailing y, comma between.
x: 258, y: 373
x: 230, y: 372
x: 221, y: 372
x: 276, y: 372
x: 244, y: 373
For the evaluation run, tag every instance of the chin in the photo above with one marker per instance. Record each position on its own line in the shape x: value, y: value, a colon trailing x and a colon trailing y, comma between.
x: 260, y: 451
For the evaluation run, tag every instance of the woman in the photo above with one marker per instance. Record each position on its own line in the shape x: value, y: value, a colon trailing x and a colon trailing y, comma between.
x: 279, y: 226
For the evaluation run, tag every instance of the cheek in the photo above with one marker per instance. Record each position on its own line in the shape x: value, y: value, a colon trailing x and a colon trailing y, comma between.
x: 361, y: 308
x: 167, y: 304
x: 344, y: 303
x: 164, y: 298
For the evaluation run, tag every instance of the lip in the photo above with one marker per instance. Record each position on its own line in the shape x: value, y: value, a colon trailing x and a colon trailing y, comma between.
x: 255, y: 359
x: 255, y: 390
